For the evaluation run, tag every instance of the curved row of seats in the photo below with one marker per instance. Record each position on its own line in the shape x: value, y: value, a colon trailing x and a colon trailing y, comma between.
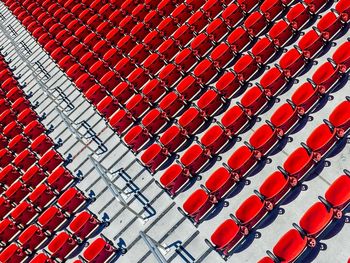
x: 280, y: 183
x: 32, y: 179
x: 294, y: 243
x: 252, y: 103
x: 263, y: 140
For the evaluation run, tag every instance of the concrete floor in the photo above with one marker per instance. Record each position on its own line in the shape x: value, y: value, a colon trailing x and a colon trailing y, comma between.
x: 163, y: 222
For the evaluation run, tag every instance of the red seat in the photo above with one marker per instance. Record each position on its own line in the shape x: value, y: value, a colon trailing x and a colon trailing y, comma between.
x: 114, y: 36
x: 137, y: 105
x: 154, y: 120
x: 71, y: 200
x: 95, y: 94
x: 124, y: 67
x: 42, y: 196
x: 315, y: 219
x: 153, y: 40
x: 220, y: 182
x: 263, y: 139
x: 341, y: 56
x: 338, y: 195
x: 174, y: 178
x: 136, y: 137
x: 253, y: 100
x: 153, y: 90
x: 210, y: 102
x: 60, y: 178
x: 304, y: 97
x: 263, y: 50
x: 329, y: 25
x: 271, y: 9
x: 222, y: 55
x: 311, y: 43
x: 42, y: 144
x: 41, y: 258
x: 250, y: 212
x: 171, y: 104
x: 201, y: 44
x: 139, y: 53
x: 122, y: 92
x: 266, y: 260
x: 183, y: 35
x: 33, y: 176
x: 62, y: 245
x: 107, y: 106
x: 153, y: 157
x: 234, y: 120
x: 284, y: 118
x: 50, y: 160
x: 99, y: 250
x: 321, y: 140
x: 153, y: 63
x: 23, y: 213
x: 241, y: 161
x: 245, y: 68
x: 255, y: 23
x: 167, y: 26
x: 125, y: 44
x: 33, y: 129
x: 192, y: 119
x: 214, y: 139
x: 195, y: 158
x: 17, y: 192
x: 196, y: 205
x: 13, y: 254
x: 188, y: 87
x: 274, y: 187
x: 83, y: 225
x: 217, y: 29
x: 8, y: 230
x: 325, y: 77
x: 292, y: 62
x: 273, y: 81
x: 168, y: 49
x: 298, y: 16
x: 314, y: 5
x: 180, y: 13
x: 343, y: 8
x: 9, y: 174
x: 281, y: 32
x: 205, y: 71
x: 120, y: 121
x: 227, y: 84
x: 23, y: 160
x: 101, y: 47
x: 226, y: 236
x: 138, y: 77
x: 185, y: 59
x: 112, y: 57
x: 51, y: 219
x: 6, y: 117
x: 290, y: 246
x: 14, y: 94
x: 197, y: 21
x: 18, y: 143
x: 173, y: 138
x: 340, y: 118
x: 298, y: 163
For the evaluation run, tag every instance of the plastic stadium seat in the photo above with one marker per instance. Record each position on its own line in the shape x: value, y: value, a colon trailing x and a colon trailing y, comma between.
x: 24, y: 160
x: 255, y: 23
x: 188, y: 87
x: 227, y: 84
x: 221, y: 55
x: 233, y: 120
x: 311, y: 43
x: 13, y: 253
x: 112, y: 57
x: 315, y: 5
x: 110, y: 80
x: 14, y: 94
x: 140, y: 11
x: 304, y: 97
x: 183, y: 35
x: 329, y: 25
x: 214, y: 139
x: 217, y: 29
x: 33, y: 129
x: 153, y: 90
x: 51, y: 219
x: 271, y: 9
x: 171, y: 104
x: 99, y: 69
x: 18, y: 143
x: 281, y: 32
x: 273, y: 81
x: 139, y: 31
x: 33, y: 176
x: 99, y: 250
x: 341, y: 56
x: 101, y: 47
x: 320, y: 140
x: 23, y: 213
x: 95, y: 94
x: 343, y: 8
x: 197, y: 205
x: 41, y: 258
x: 154, y: 120
x: 195, y: 158
x: 185, y: 59
x: 250, y: 212
x: 9, y: 174
x: 50, y: 160
x: 42, y: 196
x: 137, y: 105
x: 83, y: 225
x: 289, y: 246
x: 180, y: 14
x: 241, y: 161
x: 5, y: 208
x: 120, y: 120
x: 315, y: 220
x: 136, y: 137
x: 153, y: 157
x: 139, y: 53
x: 292, y: 62
x: 122, y: 92
x: 173, y: 138
x: 6, y: 157
x: 124, y: 67
x: 201, y: 44
x: 298, y: 16
x: 60, y: 178
x: 284, y: 118
x: 263, y: 139
x: 152, y: 19
x: 253, y: 100
x: 245, y: 67
x: 174, y: 178
x: 62, y: 245
x: 125, y: 44
x: 205, y: 71
x: 339, y: 118
x: 167, y: 26
x: 263, y: 50
x: 8, y: 230
x: 266, y: 260
x: 273, y: 188
x: 153, y: 40
x: 192, y: 119
x: 6, y: 117
x: 197, y: 21
x: 297, y: 163
x: 42, y: 144
x: 71, y: 200
x: 325, y: 77
x: 107, y: 106
x: 226, y: 236
x: 16, y: 192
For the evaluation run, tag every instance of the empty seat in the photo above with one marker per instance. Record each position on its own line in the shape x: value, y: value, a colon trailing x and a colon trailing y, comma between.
x: 263, y: 50
x: 273, y: 81
x: 83, y: 224
x: 245, y: 68
x: 195, y: 158
x: 339, y: 118
x: 23, y: 214
x: 13, y: 253
x: 136, y: 137
x: 343, y: 8
x: 50, y: 160
x: 153, y: 157
x: 292, y: 62
x: 233, y: 120
x: 255, y: 23
x: 311, y: 43
x: 51, y: 219
x: 33, y: 176
x: 281, y: 32
x: 71, y: 200
x: 173, y: 138
x: 329, y: 25
x: 325, y: 77
x: 304, y: 97
x: 284, y: 118
x: 263, y: 139
x: 227, y: 84
x: 342, y: 56
x: 8, y: 230
x: 196, y: 205
x: 214, y: 139
x: 99, y: 250
x: 298, y: 16
x: 174, y: 178
x: 62, y: 245
x: 192, y: 119
x: 60, y: 178
x: 9, y: 174
x: 254, y: 100
x: 241, y: 161
x: 271, y: 9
